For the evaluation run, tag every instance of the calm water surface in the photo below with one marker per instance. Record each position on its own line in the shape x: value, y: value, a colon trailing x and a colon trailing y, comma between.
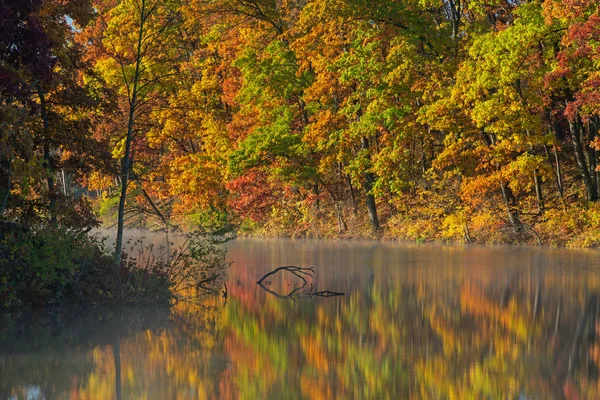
x: 415, y: 321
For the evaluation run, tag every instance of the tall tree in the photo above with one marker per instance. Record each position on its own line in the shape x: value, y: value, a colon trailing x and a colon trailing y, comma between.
x: 134, y: 49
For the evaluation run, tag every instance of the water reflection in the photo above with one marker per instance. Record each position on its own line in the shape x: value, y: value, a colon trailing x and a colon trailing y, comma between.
x: 415, y: 322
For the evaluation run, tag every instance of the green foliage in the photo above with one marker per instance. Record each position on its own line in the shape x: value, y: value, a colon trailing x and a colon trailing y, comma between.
x: 41, y: 266
x: 432, y: 120
x: 107, y: 207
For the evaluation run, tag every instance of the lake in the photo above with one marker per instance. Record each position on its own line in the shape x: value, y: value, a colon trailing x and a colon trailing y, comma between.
x: 414, y: 321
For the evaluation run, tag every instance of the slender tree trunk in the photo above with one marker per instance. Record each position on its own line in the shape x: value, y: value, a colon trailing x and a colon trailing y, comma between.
x: 556, y: 132
x: 423, y: 157
x: 511, y: 206
x: 352, y: 195
x: 317, y: 193
x: 593, y: 134
x: 592, y: 156
x: 575, y: 129
x: 342, y: 226
x: 538, y: 190
x: 507, y: 195
x: 126, y: 162
x: 467, y: 233
x: 64, y: 182
x: 153, y: 205
x: 455, y: 15
x: 369, y: 180
x: 558, y: 172
x: 555, y: 162
x: 371, y: 205
x: 412, y: 156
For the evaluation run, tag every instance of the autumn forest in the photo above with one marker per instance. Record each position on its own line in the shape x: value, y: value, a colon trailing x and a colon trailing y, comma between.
x: 424, y: 120
x: 470, y: 121
x: 139, y: 137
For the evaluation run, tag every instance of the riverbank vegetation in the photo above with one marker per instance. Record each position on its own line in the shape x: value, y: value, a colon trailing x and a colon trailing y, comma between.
x: 51, y: 267
x: 455, y: 120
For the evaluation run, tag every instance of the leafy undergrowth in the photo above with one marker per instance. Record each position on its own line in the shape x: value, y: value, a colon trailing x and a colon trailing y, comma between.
x: 576, y: 225
x: 50, y: 267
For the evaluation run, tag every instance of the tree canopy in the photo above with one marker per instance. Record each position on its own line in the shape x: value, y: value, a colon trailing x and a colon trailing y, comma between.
x: 425, y: 120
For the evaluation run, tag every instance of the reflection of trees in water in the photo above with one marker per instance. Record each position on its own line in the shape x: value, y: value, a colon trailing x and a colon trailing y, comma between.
x: 494, y: 338
x: 56, y: 352
x: 404, y: 334
x: 506, y: 339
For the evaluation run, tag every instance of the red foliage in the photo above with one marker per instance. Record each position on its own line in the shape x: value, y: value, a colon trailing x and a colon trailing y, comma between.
x: 252, y: 195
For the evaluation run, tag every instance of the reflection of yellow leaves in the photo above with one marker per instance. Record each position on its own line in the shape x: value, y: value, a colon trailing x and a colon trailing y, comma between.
x: 315, y: 354
x: 450, y: 341
x: 130, y: 376
x: 473, y: 300
x: 317, y: 388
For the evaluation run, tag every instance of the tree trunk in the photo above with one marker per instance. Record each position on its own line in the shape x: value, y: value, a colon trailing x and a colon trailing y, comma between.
x: 126, y: 162
x: 593, y: 132
x: 575, y: 129
x: 557, y: 169
x: 412, y: 156
x: 371, y: 206
x: 592, y: 157
x: 153, y: 205
x: 317, y: 194
x: 369, y: 180
x: 511, y: 206
x: 342, y: 226
x: 352, y: 195
x: 64, y: 182
x: 558, y: 173
x: 423, y: 157
x: 538, y: 190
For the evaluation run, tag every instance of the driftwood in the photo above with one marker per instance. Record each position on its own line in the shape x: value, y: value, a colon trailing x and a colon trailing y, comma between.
x: 298, y: 289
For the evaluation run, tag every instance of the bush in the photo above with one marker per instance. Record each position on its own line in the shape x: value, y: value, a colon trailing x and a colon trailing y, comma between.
x: 49, y: 266
x: 39, y: 266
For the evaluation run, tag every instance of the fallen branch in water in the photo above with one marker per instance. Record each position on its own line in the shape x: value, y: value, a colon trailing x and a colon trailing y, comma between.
x: 325, y: 293
x: 298, y: 271
x: 301, y: 273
